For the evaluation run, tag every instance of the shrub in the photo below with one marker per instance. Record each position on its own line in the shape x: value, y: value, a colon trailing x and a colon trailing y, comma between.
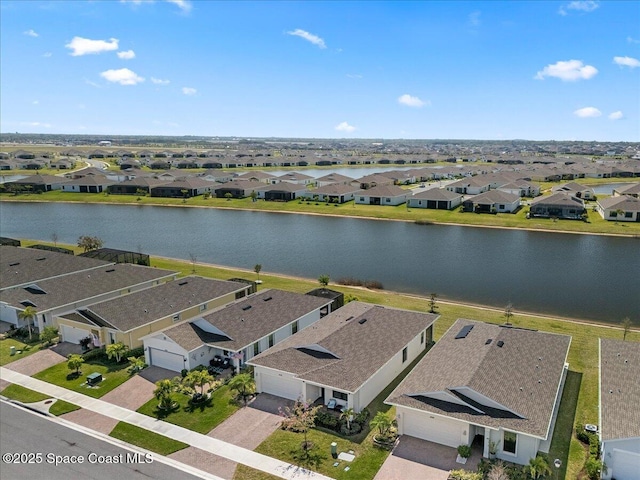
x: 464, y: 451
x: 326, y: 420
x: 95, y: 354
x: 593, y: 468
x: 464, y: 475
x: 362, y: 417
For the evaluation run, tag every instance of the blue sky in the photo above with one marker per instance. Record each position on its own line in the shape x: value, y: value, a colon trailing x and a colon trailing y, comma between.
x: 449, y: 70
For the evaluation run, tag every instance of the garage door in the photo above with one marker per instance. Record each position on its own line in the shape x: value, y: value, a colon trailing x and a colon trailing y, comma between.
x: 442, y: 431
x: 73, y: 334
x: 280, y: 386
x: 625, y: 465
x: 168, y: 360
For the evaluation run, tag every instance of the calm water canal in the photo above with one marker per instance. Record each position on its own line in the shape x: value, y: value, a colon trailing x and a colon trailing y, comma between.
x: 581, y: 276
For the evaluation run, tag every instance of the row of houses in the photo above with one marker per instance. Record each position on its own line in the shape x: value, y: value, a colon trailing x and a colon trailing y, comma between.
x: 495, y: 386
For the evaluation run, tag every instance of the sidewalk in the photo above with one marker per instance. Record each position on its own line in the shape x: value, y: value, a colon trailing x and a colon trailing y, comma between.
x: 218, y: 447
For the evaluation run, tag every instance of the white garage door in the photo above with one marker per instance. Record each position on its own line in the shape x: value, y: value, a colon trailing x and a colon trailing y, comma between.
x: 168, y: 360
x: 73, y: 334
x: 625, y: 465
x: 280, y: 386
x: 442, y: 431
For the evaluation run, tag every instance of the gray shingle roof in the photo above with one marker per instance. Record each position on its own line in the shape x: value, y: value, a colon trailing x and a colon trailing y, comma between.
x: 624, y: 202
x: 19, y: 266
x: 269, y: 310
x: 619, y: 389
x: 83, y: 286
x: 436, y: 194
x: 360, y: 349
x: 559, y: 199
x: 151, y: 304
x: 522, y: 375
x: 385, y: 191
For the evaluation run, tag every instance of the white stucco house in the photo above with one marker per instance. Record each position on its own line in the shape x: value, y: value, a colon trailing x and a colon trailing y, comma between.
x: 390, y: 195
x: 619, y: 412
x: 620, y: 209
x: 238, y: 331
x: 349, y: 356
x: 484, y: 385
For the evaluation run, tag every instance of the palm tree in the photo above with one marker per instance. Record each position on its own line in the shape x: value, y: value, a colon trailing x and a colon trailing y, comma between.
x: 244, y: 384
x: 382, y: 422
x: 74, y: 362
x: 347, y: 414
x: 116, y: 350
x: 323, y: 280
x: 198, y: 378
x: 28, y: 314
x: 163, y: 393
x: 257, y: 269
x: 538, y: 467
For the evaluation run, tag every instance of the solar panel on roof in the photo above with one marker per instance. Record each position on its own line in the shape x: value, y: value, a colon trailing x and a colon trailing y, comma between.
x: 464, y: 331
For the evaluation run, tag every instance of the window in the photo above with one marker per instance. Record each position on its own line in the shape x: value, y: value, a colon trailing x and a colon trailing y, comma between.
x: 421, y: 338
x: 613, y: 214
x: 404, y: 354
x: 387, y: 200
x: 256, y: 348
x: 176, y: 317
x: 294, y: 327
x: 362, y: 199
x: 271, y: 340
x: 510, y: 442
x: 203, y: 307
x: 500, y: 207
x: 340, y: 395
x: 112, y: 338
x: 628, y: 214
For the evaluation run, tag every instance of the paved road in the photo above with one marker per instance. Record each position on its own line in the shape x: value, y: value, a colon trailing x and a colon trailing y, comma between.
x: 23, y: 432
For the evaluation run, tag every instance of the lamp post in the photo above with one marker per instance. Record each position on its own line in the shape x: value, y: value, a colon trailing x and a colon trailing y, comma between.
x: 557, y: 463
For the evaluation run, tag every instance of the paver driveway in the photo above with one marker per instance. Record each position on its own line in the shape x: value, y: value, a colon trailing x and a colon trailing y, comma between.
x: 92, y: 420
x: 247, y: 428
x: 36, y: 363
x: 132, y: 394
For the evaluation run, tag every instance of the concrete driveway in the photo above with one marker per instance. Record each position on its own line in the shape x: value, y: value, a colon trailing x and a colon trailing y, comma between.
x: 248, y: 428
x: 132, y: 394
x: 36, y: 363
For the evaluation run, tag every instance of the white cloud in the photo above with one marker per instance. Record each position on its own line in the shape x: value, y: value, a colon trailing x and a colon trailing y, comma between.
x: 632, y: 40
x: 159, y: 81
x: 310, y: 37
x: 127, y: 55
x: 31, y: 33
x: 616, y: 115
x: 47, y: 54
x: 411, y: 101
x: 627, y: 62
x: 345, y: 127
x: 35, y: 102
x: 36, y: 124
x: 85, y: 46
x: 568, y: 71
x: 587, y: 112
x: 123, y: 76
x: 585, y: 6
x: 189, y: 91
x: 183, y: 5
x: 474, y: 18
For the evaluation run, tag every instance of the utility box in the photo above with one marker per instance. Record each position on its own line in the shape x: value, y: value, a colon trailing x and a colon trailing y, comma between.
x: 94, y: 378
x: 12, y: 350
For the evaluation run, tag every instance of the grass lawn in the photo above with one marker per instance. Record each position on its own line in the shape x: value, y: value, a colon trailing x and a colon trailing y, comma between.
x: 145, y: 439
x: 113, y: 375
x: 26, y: 349
x: 201, y: 419
x: 24, y: 395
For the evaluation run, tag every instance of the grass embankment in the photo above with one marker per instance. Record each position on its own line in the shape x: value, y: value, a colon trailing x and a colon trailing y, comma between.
x: 596, y: 223
x: 25, y: 395
x: 145, y: 439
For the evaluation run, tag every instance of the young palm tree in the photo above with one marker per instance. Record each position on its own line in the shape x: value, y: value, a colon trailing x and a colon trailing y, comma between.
x: 347, y: 415
x: 382, y: 422
x: 538, y: 467
x: 116, y: 350
x: 244, y: 384
x: 28, y: 314
x: 163, y: 393
x: 323, y: 280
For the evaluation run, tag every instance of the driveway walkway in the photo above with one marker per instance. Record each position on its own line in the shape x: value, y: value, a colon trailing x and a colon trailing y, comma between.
x: 132, y: 394
x: 36, y: 363
x: 258, y: 415
x: 223, y: 449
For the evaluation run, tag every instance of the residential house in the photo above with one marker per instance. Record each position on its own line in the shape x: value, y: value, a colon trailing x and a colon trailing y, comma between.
x: 258, y: 176
x: 390, y: 195
x: 469, y: 186
x: 88, y: 184
x: 184, y: 187
x: 283, y: 191
x: 493, y: 201
x: 489, y: 384
x: 522, y: 188
x: 620, y: 209
x: 56, y: 296
x: 237, y: 332
x: 332, y: 178
x: 619, y: 415
x: 297, y: 178
x: 334, y: 358
x: 334, y: 193
x: 435, y: 198
x: 127, y: 318
x: 576, y: 190
x: 374, y: 180
x: 557, y: 205
x: 238, y: 188
x: 631, y: 190
x: 39, y: 183
x: 136, y: 185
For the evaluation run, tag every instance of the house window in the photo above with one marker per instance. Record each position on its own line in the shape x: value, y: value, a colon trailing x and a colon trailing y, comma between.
x: 628, y: 214
x: 271, y: 340
x: 510, y: 442
x: 388, y: 200
x: 176, y: 317
x: 256, y: 348
x: 613, y: 214
x: 404, y: 354
x: 203, y: 307
x: 362, y: 199
x: 421, y: 338
x: 294, y: 327
x: 112, y: 338
x: 340, y: 395
x: 500, y: 207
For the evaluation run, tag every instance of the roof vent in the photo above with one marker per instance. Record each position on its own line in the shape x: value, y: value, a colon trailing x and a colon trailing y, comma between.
x: 267, y: 299
x: 28, y: 303
x: 362, y: 320
x: 350, y: 318
x: 246, y: 307
x: 40, y: 259
x: 464, y: 331
x: 14, y: 264
x: 183, y: 283
x: 489, y: 340
x: 111, y: 270
x: 500, y: 343
x: 34, y: 289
